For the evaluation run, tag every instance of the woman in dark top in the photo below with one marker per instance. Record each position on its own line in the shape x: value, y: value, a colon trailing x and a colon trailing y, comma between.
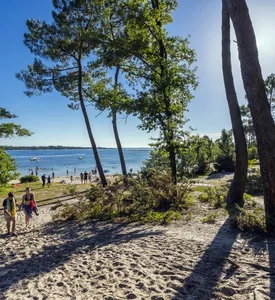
x: 28, y: 204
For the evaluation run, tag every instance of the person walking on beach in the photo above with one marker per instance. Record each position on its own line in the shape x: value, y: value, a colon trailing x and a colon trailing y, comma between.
x: 43, y: 178
x: 49, y: 181
x: 72, y: 178
x: 9, y: 205
x: 81, y: 177
x: 52, y: 175
x: 67, y: 173
x: 28, y: 205
x: 85, y: 177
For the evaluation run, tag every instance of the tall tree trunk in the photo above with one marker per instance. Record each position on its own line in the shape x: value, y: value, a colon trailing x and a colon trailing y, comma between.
x: 237, y: 188
x: 88, y: 126
x: 167, y: 101
x: 173, y: 164
x: 114, y: 122
x: 258, y: 103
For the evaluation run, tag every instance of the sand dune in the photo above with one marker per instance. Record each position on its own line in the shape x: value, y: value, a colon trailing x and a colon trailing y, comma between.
x: 83, y: 260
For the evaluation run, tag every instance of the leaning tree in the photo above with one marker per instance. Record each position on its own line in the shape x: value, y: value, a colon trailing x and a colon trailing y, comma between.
x: 67, y: 43
x: 237, y: 187
x: 258, y: 103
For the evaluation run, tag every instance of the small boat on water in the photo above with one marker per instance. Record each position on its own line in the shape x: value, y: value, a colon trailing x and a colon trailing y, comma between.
x: 81, y: 157
x: 34, y: 159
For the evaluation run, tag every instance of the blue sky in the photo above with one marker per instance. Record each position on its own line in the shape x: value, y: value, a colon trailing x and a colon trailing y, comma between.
x: 53, y: 123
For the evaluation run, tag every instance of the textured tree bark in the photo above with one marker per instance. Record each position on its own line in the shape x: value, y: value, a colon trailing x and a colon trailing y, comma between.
x: 114, y: 122
x: 88, y: 126
x: 259, y: 106
x: 237, y: 188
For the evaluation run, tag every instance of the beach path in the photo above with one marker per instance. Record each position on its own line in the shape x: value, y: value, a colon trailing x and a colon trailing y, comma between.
x: 85, y: 260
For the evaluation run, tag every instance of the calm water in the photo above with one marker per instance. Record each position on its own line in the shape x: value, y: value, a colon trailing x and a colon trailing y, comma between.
x: 60, y: 161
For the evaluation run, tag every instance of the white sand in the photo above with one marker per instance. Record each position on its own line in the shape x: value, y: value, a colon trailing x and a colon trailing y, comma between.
x: 82, y: 260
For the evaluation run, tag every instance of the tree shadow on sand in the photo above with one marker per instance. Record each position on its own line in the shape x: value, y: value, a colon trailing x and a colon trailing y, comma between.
x: 201, y: 283
x: 72, y: 240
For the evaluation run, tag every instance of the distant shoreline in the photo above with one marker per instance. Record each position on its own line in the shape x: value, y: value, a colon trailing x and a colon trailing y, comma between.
x: 66, y: 147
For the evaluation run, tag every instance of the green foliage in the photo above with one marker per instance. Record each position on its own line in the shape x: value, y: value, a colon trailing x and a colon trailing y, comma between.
x: 162, y: 76
x: 64, y: 56
x: 160, y: 217
x: 28, y: 178
x: 196, y: 155
x: 7, y: 168
x: 211, y: 218
x: 158, y: 160
x: 254, y: 184
x: 252, y: 153
x: 214, y: 196
x: 225, y: 160
x: 250, y: 220
x: 253, y: 162
x: 249, y: 201
x: 157, y: 200
x: 72, y: 190
x: 8, y: 130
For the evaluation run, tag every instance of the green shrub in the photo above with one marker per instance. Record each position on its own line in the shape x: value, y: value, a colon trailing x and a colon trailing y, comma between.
x: 252, y: 162
x: 29, y: 178
x: 250, y: 220
x: 225, y: 163
x: 254, y: 184
x: 249, y: 201
x: 211, y: 218
x: 71, y: 190
x: 252, y: 153
x: 7, y: 168
x: 214, y: 196
x: 155, y: 200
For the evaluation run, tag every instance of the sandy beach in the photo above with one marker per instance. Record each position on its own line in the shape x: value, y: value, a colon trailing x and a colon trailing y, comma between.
x: 85, y: 260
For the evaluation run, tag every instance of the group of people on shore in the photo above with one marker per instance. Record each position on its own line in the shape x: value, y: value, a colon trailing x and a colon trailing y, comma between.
x: 28, y: 205
x: 84, y: 177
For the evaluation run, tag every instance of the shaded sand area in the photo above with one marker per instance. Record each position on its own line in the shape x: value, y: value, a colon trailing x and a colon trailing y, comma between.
x: 84, y: 260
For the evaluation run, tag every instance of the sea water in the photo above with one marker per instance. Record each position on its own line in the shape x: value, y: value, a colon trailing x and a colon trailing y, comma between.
x: 61, y: 161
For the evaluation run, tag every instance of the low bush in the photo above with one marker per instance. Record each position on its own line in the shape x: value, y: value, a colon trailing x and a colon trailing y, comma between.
x: 156, y: 200
x: 249, y: 202
x: 254, y: 184
x: 211, y: 218
x: 253, y: 162
x: 252, y: 153
x: 29, y: 178
x: 214, y: 196
x: 71, y: 190
x: 225, y: 163
x: 250, y: 220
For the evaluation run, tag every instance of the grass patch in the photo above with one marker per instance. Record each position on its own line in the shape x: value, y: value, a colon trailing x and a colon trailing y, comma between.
x: 42, y: 195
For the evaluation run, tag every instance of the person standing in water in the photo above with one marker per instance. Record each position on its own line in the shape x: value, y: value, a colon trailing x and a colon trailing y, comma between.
x: 28, y: 205
x: 9, y: 205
